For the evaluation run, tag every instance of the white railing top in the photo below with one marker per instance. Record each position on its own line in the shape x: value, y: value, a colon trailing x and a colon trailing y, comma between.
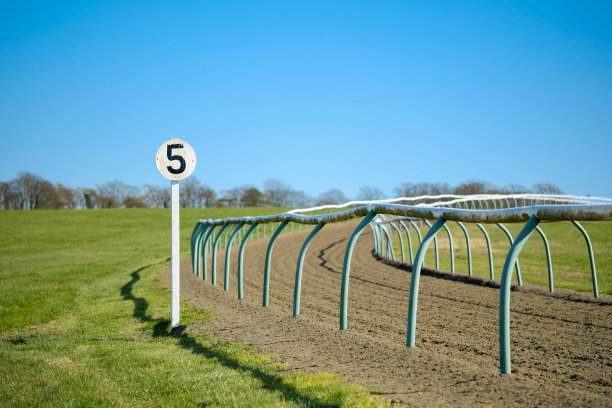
x: 565, y: 208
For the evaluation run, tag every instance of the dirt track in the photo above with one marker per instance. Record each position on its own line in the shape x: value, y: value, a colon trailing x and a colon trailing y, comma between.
x: 561, y: 344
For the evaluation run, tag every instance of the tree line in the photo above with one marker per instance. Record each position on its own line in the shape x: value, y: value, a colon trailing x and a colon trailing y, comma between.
x: 31, y: 192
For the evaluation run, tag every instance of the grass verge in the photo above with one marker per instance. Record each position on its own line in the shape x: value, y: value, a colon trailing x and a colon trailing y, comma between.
x: 84, y: 322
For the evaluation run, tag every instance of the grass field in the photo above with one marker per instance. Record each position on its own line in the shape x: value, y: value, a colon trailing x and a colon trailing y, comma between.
x: 84, y: 322
x: 570, y: 261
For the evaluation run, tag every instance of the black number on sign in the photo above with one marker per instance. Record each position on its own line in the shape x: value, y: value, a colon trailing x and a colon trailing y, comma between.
x: 176, y: 157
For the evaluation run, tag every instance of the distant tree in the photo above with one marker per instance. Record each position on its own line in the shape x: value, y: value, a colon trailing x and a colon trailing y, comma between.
x: 369, y: 193
x: 196, y: 195
x: 67, y: 197
x: 10, y: 200
x: 252, y: 197
x: 420, y: 189
x: 156, y: 197
x: 471, y: 187
x: 277, y: 193
x: 299, y: 199
x: 189, y: 192
x: 133, y: 202
x: 207, y: 196
x: 547, y: 188
x: 4, y: 195
x: 112, y: 193
x: 33, y: 192
x: 232, y: 197
x: 514, y: 188
x: 90, y: 197
x: 333, y: 196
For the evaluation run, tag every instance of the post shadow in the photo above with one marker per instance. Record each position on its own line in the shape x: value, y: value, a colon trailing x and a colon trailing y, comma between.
x: 188, y: 342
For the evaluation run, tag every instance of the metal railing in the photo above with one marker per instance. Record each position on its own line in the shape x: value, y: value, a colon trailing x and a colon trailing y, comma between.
x: 530, y: 209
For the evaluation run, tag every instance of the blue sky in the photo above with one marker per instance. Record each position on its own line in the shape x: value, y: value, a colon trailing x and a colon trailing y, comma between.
x: 317, y: 94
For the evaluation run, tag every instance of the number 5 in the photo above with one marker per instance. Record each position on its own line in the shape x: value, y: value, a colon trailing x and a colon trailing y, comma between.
x: 172, y: 157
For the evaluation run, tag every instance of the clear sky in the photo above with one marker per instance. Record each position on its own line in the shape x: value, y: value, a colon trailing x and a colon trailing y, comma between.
x: 317, y: 94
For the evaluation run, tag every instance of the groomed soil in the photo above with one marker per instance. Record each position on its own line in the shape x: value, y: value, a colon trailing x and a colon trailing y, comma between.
x: 561, y: 342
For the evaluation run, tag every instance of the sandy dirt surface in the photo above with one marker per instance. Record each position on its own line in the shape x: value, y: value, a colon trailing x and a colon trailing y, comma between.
x: 561, y: 343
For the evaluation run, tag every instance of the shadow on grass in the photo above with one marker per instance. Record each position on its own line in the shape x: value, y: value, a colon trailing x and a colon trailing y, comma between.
x: 270, y: 381
x: 140, y: 304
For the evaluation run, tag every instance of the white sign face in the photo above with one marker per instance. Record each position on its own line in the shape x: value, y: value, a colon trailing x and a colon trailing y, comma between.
x: 175, y: 159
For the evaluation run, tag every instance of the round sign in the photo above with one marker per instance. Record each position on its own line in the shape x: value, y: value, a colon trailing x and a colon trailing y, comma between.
x: 175, y: 159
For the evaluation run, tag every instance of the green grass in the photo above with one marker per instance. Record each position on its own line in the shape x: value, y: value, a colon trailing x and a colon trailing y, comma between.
x: 570, y: 261
x: 84, y: 322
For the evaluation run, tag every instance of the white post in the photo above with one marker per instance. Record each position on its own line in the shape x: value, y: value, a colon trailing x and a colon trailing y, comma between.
x: 175, y: 160
x: 176, y: 257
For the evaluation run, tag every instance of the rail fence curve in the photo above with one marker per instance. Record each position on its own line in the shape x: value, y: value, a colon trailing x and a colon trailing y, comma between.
x: 382, y: 215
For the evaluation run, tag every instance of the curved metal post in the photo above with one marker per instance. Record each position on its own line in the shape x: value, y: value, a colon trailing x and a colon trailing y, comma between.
x: 409, y: 240
x: 214, y: 253
x: 414, y: 281
x: 468, y: 247
x: 228, y: 252
x: 380, y: 240
x: 206, y: 248
x: 435, y: 245
x: 225, y: 239
x: 375, y: 237
x: 518, y: 269
x: 417, y: 231
x: 389, y: 247
x: 196, y: 242
x: 254, y: 226
x: 450, y: 245
x: 346, y: 267
x: 399, y: 234
x: 193, y: 237
x: 484, y: 231
x: 204, y: 251
x: 297, y: 289
x: 548, y: 260
x: 504, y: 294
x: 266, y: 288
x: 591, y: 257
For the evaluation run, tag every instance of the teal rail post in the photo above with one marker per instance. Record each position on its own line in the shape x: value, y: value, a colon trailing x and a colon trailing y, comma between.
x: 228, y: 252
x: 389, y: 247
x: 201, y: 249
x: 266, y: 288
x: 504, y: 296
x: 484, y: 231
x: 518, y: 269
x: 548, y: 260
x: 469, y: 249
x: 399, y: 234
x: 435, y: 246
x: 417, y: 231
x: 193, y: 238
x: 297, y: 289
x: 591, y: 257
x: 205, y: 247
x: 452, y: 251
x: 414, y: 281
x: 409, y: 240
x: 213, y: 272
x: 196, y: 241
x: 381, y: 238
x: 346, y: 267
x: 240, y: 274
x: 374, y: 237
